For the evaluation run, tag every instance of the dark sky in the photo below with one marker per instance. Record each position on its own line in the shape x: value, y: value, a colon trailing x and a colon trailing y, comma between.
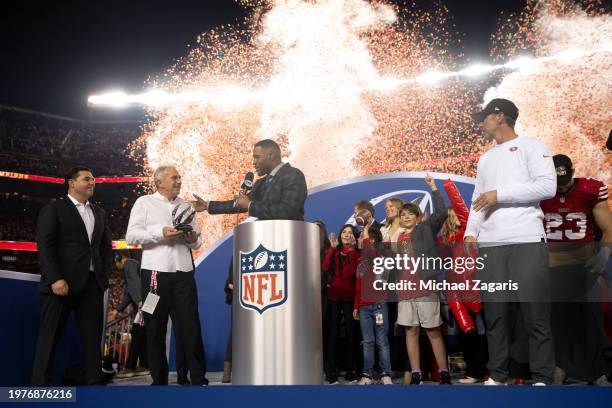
x: 55, y: 53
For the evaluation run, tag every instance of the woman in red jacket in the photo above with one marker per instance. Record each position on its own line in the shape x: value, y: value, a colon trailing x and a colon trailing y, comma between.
x: 465, y: 305
x: 341, y: 262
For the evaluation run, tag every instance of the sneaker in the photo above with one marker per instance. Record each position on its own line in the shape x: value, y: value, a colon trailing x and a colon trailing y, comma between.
x: 539, y: 384
x: 366, y: 380
x: 445, y: 378
x: 125, y: 373
x: 416, y: 379
x: 518, y: 381
x: 603, y: 381
x: 468, y: 380
x: 386, y: 380
x: 491, y: 381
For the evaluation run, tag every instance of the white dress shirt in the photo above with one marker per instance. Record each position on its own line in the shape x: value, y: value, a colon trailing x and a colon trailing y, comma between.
x: 150, y: 214
x: 523, y: 173
x: 276, y: 169
x: 88, y: 218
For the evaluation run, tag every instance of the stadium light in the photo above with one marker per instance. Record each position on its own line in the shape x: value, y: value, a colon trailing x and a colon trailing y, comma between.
x: 477, y: 70
x: 115, y: 99
x: 234, y: 96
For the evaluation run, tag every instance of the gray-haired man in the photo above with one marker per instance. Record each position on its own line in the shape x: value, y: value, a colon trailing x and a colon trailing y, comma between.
x: 168, y: 272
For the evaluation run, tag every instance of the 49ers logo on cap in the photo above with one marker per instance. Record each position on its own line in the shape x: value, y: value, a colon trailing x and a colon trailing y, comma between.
x: 263, y: 279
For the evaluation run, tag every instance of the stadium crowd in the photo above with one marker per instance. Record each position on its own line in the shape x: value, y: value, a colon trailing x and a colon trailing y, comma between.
x: 18, y: 214
x: 36, y: 143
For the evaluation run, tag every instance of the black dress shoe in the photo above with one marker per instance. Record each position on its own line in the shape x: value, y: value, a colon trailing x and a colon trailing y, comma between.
x: 352, y: 377
x: 332, y: 380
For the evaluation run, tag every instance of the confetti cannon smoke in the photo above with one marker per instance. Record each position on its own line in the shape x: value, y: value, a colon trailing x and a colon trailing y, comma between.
x: 351, y: 88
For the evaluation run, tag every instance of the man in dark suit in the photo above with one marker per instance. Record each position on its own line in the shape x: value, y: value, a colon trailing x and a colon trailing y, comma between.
x: 280, y: 195
x: 75, y: 254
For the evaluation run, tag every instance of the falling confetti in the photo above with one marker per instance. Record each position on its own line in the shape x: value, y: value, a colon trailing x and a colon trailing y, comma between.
x: 302, y: 73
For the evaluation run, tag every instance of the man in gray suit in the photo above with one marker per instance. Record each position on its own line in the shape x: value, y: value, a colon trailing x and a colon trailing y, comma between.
x: 280, y: 195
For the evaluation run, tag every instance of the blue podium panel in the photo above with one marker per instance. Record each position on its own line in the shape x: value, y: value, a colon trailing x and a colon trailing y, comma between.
x: 19, y: 320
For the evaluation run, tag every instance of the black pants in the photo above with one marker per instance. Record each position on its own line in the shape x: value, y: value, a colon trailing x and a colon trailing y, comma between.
x: 178, y: 295
x: 527, y: 265
x: 138, y: 348
x: 475, y: 353
x: 228, y: 347
x: 55, y: 310
x: 182, y: 369
x: 582, y: 347
x: 336, y: 310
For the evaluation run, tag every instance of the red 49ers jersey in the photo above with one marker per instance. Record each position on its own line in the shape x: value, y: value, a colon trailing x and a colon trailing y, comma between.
x: 569, y: 217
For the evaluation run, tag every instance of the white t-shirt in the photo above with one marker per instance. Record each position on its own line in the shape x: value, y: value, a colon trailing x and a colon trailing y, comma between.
x: 523, y: 173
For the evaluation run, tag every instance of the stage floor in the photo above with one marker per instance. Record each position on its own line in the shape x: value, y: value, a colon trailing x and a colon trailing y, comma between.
x: 215, y: 377
x: 132, y: 393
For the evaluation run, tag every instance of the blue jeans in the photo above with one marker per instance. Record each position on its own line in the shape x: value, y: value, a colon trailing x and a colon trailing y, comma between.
x: 369, y: 329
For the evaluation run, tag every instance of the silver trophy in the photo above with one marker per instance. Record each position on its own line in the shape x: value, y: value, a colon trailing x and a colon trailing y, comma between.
x: 182, y: 221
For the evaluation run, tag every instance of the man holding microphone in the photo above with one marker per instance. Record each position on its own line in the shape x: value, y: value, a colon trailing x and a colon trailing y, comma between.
x: 280, y: 195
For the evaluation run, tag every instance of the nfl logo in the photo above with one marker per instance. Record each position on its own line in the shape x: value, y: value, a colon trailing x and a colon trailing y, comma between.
x: 263, y: 279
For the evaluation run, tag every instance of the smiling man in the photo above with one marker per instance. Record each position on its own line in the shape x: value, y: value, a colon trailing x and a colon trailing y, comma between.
x: 280, y: 195
x: 167, y: 275
x: 75, y: 253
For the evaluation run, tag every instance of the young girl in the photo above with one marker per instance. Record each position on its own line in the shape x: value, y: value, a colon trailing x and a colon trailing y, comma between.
x: 341, y: 261
x: 421, y: 308
x: 371, y: 311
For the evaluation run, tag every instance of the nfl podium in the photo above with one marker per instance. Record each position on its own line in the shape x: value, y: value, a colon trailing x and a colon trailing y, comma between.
x: 276, y: 310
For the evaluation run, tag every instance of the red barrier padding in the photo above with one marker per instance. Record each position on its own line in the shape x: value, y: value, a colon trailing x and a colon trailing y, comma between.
x: 31, y: 246
x: 56, y: 180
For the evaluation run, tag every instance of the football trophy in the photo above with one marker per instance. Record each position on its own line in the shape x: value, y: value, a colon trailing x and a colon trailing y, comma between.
x: 182, y: 220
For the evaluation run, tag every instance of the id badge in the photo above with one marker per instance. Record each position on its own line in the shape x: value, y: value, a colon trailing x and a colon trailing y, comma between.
x: 150, y: 303
x: 379, y: 319
x: 138, y: 317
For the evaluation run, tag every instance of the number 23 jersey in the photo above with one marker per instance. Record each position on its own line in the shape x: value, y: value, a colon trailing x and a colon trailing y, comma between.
x: 569, y: 217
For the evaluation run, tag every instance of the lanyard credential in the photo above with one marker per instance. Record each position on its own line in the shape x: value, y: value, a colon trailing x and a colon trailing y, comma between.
x: 152, y: 298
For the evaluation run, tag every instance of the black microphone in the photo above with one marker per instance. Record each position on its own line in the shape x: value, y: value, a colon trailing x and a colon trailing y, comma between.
x: 247, y: 184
